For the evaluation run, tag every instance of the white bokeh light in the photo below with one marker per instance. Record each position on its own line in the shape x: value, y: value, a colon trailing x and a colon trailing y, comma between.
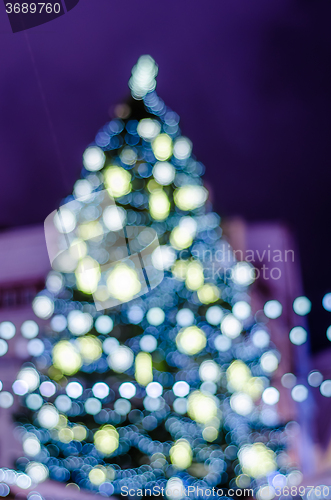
x: 154, y: 390
x: 181, y: 388
x: 185, y: 317
x: 270, y: 396
x: 29, y: 329
x: 164, y: 173
x: 100, y: 390
x: 231, y: 326
x: 155, y: 316
x: 127, y: 390
x: 273, y: 309
x: 148, y: 343
x: 298, y: 335
x: 326, y: 302
x: 222, y: 343
x: 299, y: 393
x: 93, y: 158
x: 104, y: 324
x: 43, y: 306
x: 214, y: 315
x: 302, y: 306
x: 241, y: 310
x: 7, y: 330
x: 74, y: 390
x: 326, y: 388
x: 243, y: 274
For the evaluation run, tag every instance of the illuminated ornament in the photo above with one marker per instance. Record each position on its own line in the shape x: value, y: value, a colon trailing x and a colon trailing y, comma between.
x: 123, y: 283
x: 270, y: 396
x: 127, y: 390
x: 238, y: 374
x: 325, y: 389
x: 191, y: 340
x: 185, y: 317
x: 201, y: 407
x: 65, y: 220
x: 74, y: 390
x: 164, y: 173
x: 29, y: 329
x: 257, y: 460
x: 273, y: 309
x: 298, y: 335
x: 231, y: 326
x: 154, y: 390
x: 143, y: 368
x: 48, y: 416
x: 159, y: 205
x: 162, y: 147
x: 128, y: 156
x: 31, y: 444
x: 78, y: 249
x: 181, y: 238
x: 326, y: 302
x: 66, y: 357
x: 243, y: 274
x: 104, y: 324
x: 88, y: 275
x: 43, y: 306
x: 120, y: 359
x: 37, y: 472
x: 214, y: 315
x: 117, y: 181
x: 8, y: 330
x: 181, y: 388
x: 94, y: 159
x: 241, y: 310
x: 155, y: 316
x: 302, y: 306
x: 30, y: 377
x: 209, y: 371
x: 148, y: 129
x: 91, y: 231
x: 241, y: 403
x: 182, y: 148
x: 100, y: 390
x: 189, y: 198
x: 175, y: 489
x: 97, y: 475
x: 208, y: 294
x: 194, y: 276
x: 83, y: 189
x: 260, y: 338
x: 90, y: 348
x: 181, y: 454
x: 299, y: 393
x: 163, y: 257
x: 269, y: 362
x: 148, y: 343
x: 106, y: 440
x: 114, y: 218
x: 143, y: 76
x: 79, y: 323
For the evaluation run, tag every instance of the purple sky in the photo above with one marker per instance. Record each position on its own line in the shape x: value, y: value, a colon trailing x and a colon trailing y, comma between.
x: 249, y: 78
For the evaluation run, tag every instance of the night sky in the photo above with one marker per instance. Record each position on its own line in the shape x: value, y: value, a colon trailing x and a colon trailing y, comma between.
x: 249, y: 78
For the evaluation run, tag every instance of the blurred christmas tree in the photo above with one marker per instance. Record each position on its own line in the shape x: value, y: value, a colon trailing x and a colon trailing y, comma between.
x: 140, y: 381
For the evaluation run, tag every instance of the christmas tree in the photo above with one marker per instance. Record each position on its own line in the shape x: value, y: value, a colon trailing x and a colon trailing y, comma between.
x: 150, y: 367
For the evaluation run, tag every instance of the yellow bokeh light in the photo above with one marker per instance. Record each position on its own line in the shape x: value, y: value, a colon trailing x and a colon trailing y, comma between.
x: 106, y: 439
x: 181, y: 454
x: 181, y: 237
x: 210, y: 433
x: 79, y: 432
x: 190, y: 197
x: 179, y: 269
x: 66, y: 435
x: 78, y: 249
x: 117, y: 181
x: 254, y: 387
x: 159, y: 205
x: 91, y: 230
x: 257, y: 460
x: 162, y: 147
x: 90, y: 348
x: 238, y: 375
x: 123, y: 283
x: 208, y: 294
x: 97, y: 475
x: 194, y: 276
x: 201, y: 407
x: 143, y: 368
x: 66, y: 358
x: 191, y: 340
x: 88, y: 275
